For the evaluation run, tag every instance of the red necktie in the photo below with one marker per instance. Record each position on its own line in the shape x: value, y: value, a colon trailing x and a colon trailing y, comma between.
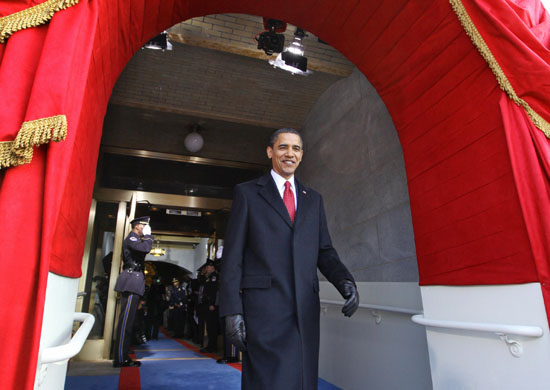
x: 288, y: 199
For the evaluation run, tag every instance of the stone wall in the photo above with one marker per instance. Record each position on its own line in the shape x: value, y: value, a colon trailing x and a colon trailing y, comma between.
x: 354, y: 158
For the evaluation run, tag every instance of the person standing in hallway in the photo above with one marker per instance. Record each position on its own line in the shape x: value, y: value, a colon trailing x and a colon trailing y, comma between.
x: 276, y: 239
x: 155, y: 302
x: 131, y: 284
x: 209, y: 307
x: 177, y: 307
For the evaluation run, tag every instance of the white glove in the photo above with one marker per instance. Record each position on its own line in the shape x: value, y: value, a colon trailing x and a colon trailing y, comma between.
x: 147, y: 230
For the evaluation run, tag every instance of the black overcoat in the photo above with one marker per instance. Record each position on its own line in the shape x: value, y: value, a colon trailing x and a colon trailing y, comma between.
x: 269, y: 274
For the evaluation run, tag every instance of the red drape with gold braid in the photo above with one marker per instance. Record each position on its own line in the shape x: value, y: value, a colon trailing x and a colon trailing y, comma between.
x: 43, y: 73
x: 477, y: 167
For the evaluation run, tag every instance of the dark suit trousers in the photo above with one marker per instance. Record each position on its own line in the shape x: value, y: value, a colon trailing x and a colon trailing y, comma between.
x: 129, y: 305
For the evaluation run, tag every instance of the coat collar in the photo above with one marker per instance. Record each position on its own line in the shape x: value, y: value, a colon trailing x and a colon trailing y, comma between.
x: 270, y: 193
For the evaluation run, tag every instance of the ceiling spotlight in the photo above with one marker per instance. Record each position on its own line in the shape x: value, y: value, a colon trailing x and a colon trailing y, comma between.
x: 194, y: 141
x: 292, y: 59
x: 160, y: 42
x: 270, y: 41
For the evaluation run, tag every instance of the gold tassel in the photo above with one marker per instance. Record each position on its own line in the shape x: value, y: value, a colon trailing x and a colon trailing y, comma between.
x: 32, y: 17
x: 32, y: 133
x: 502, y: 80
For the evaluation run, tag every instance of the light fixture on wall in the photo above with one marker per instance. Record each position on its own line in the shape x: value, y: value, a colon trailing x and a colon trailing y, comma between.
x: 292, y: 59
x: 160, y: 42
x: 158, y: 251
x: 193, y: 141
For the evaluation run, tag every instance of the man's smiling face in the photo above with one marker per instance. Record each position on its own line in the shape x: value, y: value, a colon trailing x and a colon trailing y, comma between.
x: 286, y: 154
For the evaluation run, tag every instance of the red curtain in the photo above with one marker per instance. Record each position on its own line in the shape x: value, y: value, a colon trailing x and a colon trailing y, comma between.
x: 518, y: 34
x: 530, y: 156
x: 477, y: 167
x: 68, y: 67
x: 43, y: 73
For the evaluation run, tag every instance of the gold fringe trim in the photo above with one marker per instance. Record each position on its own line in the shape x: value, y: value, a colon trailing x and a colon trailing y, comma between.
x: 32, y: 133
x: 32, y: 17
x: 502, y: 80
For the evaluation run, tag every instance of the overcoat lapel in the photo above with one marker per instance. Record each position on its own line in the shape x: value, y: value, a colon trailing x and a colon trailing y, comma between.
x: 270, y: 193
x: 302, y: 192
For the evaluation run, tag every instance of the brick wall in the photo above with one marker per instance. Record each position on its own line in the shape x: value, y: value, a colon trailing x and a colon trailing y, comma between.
x: 207, y: 83
x: 235, y: 33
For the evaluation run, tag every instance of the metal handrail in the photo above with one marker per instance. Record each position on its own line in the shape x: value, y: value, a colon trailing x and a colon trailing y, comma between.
x: 501, y: 330
x: 369, y: 306
x: 67, y: 351
x: 519, y: 330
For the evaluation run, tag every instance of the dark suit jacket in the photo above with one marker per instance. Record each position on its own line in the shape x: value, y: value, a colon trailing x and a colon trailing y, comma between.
x: 269, y: 274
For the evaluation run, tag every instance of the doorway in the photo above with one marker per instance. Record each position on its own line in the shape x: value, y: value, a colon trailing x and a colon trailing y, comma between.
x: 188, y: 200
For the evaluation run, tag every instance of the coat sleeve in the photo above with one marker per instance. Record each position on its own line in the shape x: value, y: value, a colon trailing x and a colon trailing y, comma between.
x: 329, y: 262
x: 144, y: 244
x: 233, y: 255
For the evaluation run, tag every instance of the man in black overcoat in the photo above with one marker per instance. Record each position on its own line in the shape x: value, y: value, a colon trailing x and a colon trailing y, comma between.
x: 277, y: 238
x: 131, y: 284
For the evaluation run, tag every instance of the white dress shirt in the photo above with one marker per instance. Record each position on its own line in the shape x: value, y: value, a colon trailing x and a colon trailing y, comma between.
x: 280, y: 183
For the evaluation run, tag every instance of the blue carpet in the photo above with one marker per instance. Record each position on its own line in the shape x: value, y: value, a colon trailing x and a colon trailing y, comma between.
x: 160, y: 354
x: 195, y: 372
x: 191, y: 372
x: 324, y: 385
x: 103, y: 382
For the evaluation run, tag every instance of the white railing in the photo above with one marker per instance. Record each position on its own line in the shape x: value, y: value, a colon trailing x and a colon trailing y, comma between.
x: 501, y: 330
x: 374, y: 309
x: 67, y: 351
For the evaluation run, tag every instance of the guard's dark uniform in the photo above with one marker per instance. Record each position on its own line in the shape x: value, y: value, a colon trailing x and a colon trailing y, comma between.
x: 177, y: 306
x: 192, y: 309
x: 210, y: 316
x: 131, y: 283
x: 155, y: 303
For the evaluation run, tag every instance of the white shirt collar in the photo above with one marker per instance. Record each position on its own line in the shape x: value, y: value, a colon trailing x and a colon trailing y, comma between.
x: 280, y: 181
x: 280, y: 184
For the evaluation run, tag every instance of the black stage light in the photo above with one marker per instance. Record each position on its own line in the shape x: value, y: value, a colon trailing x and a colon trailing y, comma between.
x: 160, y: 42
x: 297, y: 61
x: 270, y: 41
x: 292, y: 59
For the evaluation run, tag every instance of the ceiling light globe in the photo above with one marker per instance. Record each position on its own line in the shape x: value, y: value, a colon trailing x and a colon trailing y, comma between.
x: 193, y: 142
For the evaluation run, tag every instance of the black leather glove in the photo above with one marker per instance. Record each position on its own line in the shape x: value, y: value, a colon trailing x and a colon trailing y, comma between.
x: 349, y: 292
x: 235, y: 330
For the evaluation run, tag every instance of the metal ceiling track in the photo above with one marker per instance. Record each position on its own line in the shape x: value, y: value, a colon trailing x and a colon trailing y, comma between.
x: 154, y: 198
x: 179, y: 158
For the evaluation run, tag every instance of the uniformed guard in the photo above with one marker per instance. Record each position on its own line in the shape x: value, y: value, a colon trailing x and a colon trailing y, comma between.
x: 209, y: 306
x: 192, y: 309
x: 131, y: 284
x: 177, y: 307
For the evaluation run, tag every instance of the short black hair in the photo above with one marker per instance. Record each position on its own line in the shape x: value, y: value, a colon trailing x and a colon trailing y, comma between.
x: 273, y: 137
